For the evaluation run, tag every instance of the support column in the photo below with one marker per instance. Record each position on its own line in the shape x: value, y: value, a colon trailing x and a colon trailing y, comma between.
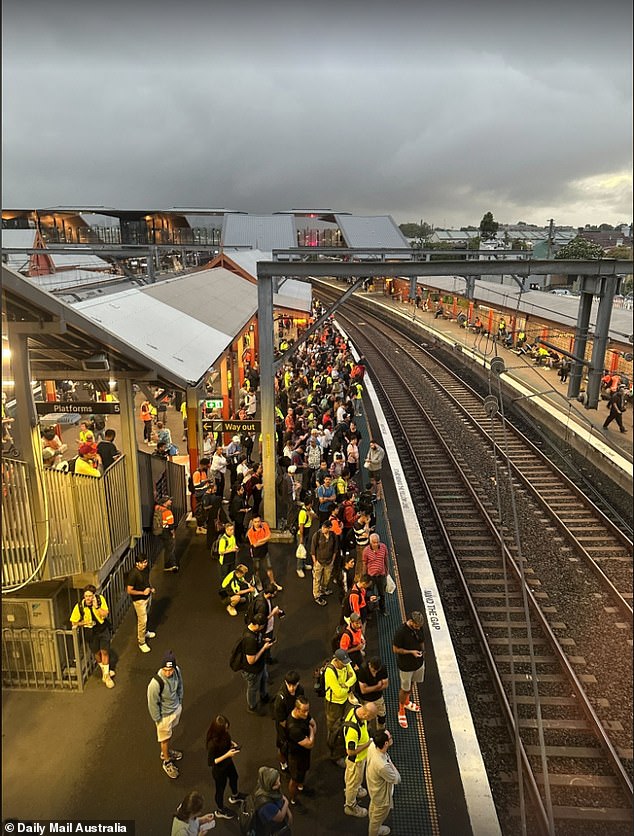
x: 194, y: 443
x: 267, y: 394
x: 26, y: 433
x: 601, y: 337
x: 412, y: 287
x: 131, y: 462
x: 581, y: 341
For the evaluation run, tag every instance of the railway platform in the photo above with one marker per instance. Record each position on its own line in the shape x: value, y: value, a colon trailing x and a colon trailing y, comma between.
x: 94, y: 755
x: 538, y: 387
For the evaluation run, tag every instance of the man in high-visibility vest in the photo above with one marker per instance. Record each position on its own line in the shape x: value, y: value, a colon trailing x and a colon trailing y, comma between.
x: 163, y: 527
x: 145, y: 414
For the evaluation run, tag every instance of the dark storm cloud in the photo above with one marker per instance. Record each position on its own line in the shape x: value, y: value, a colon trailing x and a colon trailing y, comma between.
x: 440, y: 112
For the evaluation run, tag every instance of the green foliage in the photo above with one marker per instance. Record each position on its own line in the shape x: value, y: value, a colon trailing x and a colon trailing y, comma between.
x: 488, y: 227
x: 412, y: 230
x: 620, y: 252
x: 474, y: 243
x: 519, y: 244
x: 580, y: 248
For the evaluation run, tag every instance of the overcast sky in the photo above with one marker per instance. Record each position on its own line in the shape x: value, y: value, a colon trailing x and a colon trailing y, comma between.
x: 427, y: 111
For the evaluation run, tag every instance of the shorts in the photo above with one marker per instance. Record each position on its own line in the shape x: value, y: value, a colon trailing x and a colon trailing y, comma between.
x: 380, y: 705
x: 375, y: 475
x: 298, y: 767
x: 99, y: 640
x: 408, y: 678
x: 166, y: 725
x: 258, y: 561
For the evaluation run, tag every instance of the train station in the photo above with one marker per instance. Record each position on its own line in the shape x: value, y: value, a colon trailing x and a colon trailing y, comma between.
x: 500, y: 476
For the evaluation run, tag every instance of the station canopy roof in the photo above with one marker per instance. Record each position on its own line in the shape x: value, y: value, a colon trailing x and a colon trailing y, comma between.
x: 261, y: 232
x: 372, y: 231
x: 291, y: 294
x: 547, y: 306
x: 183, y: 323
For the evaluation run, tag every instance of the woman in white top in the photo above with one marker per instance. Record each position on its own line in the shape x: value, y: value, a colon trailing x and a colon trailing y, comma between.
x: 187, y: 820
x: 218, y: 469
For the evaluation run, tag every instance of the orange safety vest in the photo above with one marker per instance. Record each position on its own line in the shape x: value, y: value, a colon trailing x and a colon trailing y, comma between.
x: 167, y: 517
x: 144, y: 412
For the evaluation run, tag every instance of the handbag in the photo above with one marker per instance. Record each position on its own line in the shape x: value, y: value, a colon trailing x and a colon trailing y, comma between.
x: 390, y: 586
x: 300, y: 553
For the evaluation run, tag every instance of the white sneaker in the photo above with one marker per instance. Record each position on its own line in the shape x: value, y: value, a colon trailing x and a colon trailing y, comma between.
x: 301, y: 574
x: 145, y: 647
x: 362, y: 792
x: 108, y: 681
x: 232, y: 610
x: 384, y: 830
x: 359, y: 812
x: 150, y: 635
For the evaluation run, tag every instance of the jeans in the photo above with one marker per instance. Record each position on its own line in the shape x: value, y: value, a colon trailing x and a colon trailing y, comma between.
x: 256, y: 686
x: 223, y: 772
x: 380, y: 582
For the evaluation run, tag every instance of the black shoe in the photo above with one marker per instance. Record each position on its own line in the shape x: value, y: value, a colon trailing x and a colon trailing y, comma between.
x: 321, y: 601
x: 266, y: 698
x: 171, y: 569
x: 237, y: 798
x: 224, y: 814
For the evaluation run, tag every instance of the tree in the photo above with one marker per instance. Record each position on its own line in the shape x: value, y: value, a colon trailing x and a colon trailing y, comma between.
x: 488, y: 227
x: 620, y: 252
x: 605, y: 227
x: 412, y: 230
x: 474, y: 243
x: 580, y: 248
x: 519, y: 244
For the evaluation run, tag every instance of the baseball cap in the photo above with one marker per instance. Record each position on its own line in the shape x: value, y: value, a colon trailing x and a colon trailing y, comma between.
x: 86, y: 449
x: 168, y: 660
x: 342, y: 656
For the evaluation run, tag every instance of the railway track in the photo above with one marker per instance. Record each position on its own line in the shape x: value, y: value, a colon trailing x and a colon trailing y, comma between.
x: 536, y: 567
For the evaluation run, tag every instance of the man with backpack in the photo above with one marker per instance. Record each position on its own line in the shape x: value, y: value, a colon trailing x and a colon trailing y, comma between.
x: 254, y: 670
x: 163, y: 525
x: 91, y: 613
x: 357, y: 740
x: 323, y: 549
x: 339, y: 679
x: 352, y: 640
x: 165, y: 704
x: 227, y: 550
x: 235, y: 590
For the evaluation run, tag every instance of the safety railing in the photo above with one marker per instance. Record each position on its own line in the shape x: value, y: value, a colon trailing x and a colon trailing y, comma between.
x: 89, y: 519
x: 44, y: 659
x: 19, y: 537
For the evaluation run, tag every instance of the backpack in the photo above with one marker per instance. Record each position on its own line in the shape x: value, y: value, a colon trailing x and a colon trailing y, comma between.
x: 157, y: 521
x: 238, y: 659
x: 190, y: 484
x: 248, y: 817
x: 99, y: 600
x: 319, y: 678
x: 336, y: 639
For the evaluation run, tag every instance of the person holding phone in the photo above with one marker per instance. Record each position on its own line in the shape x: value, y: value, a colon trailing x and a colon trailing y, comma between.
x: 255, y: 672
x: 221, y: 751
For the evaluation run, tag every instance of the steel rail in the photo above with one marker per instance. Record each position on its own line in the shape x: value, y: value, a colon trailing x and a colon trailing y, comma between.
x: 595, y: 722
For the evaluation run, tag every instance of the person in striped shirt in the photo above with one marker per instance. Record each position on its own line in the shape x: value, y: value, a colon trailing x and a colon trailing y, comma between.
x: 375, y: 564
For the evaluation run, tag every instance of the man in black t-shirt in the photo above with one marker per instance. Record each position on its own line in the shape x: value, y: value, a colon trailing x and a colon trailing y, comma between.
x: 254, y: 647
x: 107, y: 450
x: 282, y: 707
x: 409, y: 646
x: 140, y: 591
x: 301, y: 730
x: 373, y: 682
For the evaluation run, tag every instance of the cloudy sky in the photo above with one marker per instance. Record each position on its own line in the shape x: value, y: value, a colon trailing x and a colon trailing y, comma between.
x: 437, y: 111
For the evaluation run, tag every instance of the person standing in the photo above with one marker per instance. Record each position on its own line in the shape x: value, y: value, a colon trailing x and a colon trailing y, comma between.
x: 339, y: 680
x: 238, y: 510
x: 255, y: 672
x: 326, y: 497
x: 323, y: 550
x: 221, y: 751
x: 357, y: 741
x: 373, y: 464
x: 258, y: 535
x: 375, y: 565
x: 272, y: 808
x: 165, y: 704
x: 107, y: 450
x: 408, y: 645
x: 381, y: 777
x: 227, y: 551
x: 361, y: 531
x: 352, y: 641
x: 373, y: 683
x: 145, y: 415
x: 282, y: 707
x: 616, y: 405
x: 140, y: 591
x: 301, y: 730
x: 305, y: 521
x: 163, y: 527
x: 91, y: 613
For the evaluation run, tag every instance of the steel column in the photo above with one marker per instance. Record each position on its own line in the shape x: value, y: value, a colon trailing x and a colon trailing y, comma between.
x: 130, y: 445
x: 601, y: 337
x: 581, y: 341
x: 267, y: 394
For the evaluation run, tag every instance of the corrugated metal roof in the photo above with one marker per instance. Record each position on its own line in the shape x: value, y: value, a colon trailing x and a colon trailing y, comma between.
x: 17, y: 238
x: 561, y: 309
x: 260, y: 232
x: 371, y: 231
x: 292, y: 293
x: 184, y: 323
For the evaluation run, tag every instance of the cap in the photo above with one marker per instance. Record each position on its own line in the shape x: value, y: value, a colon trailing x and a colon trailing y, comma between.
x: 168, y: 660
x: 417, y: 618
x: 164, y: 498
x: 86, y: 449
x: 292, y: 468
x: 342, y: 656
x: 236, y: 439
